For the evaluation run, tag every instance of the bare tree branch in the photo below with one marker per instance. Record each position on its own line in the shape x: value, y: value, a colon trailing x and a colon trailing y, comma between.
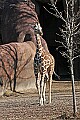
x: 69, y: 31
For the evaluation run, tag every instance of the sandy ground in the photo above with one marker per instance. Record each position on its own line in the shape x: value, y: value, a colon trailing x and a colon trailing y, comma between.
x: 25, y: 106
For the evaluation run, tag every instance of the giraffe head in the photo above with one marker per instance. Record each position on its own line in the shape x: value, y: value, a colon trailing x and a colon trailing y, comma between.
x: 38, y: 29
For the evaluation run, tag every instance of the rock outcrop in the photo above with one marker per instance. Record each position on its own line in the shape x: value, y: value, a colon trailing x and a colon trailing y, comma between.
x: 16, y: 65
x: 17, y: 25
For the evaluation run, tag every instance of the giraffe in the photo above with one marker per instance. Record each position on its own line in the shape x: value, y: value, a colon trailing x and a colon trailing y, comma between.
x: 43, y: 67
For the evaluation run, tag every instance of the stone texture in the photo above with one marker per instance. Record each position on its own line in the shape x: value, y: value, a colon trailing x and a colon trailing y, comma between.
x: 18, y: 21
x: 18, y: 57
x: 17, y: 18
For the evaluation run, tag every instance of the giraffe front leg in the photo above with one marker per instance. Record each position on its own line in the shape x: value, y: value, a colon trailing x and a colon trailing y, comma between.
x: 41, y: 89
x: 38, y: 86
x: 38, y: 76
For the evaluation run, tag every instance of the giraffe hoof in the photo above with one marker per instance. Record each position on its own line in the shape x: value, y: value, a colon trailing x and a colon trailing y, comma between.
x: 41, y: 102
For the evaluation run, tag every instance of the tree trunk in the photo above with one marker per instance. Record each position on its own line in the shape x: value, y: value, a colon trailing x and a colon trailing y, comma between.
x: 73, y: 88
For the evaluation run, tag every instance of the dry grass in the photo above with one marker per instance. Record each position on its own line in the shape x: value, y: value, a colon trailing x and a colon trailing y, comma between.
x: 65, y: 86
x: 25, y: 106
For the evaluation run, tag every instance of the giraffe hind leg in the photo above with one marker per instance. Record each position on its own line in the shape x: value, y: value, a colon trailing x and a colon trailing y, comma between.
x: 50, y: 83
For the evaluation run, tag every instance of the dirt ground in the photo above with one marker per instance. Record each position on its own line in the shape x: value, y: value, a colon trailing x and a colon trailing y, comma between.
x: 25, y: 106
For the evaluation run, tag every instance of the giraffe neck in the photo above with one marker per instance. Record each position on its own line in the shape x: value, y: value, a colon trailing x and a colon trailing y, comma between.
x: 39, y: 44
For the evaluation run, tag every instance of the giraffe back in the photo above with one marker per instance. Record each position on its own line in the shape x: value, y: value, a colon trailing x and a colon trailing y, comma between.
x: 44, y: 63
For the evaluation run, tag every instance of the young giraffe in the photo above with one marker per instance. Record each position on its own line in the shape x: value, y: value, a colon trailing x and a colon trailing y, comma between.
x: 43, y: 67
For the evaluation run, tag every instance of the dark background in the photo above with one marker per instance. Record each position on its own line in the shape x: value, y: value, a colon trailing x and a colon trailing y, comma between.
x: 51, y: 25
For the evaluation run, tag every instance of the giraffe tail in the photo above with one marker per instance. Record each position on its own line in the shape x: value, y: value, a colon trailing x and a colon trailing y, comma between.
x: 56, y: 75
